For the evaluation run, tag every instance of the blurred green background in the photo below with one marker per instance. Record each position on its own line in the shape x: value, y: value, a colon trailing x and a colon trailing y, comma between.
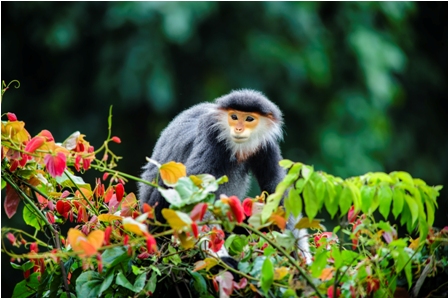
x: 363, y: 85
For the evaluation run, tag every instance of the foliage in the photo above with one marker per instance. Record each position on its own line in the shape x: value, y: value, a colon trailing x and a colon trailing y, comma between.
x: 114, y: 247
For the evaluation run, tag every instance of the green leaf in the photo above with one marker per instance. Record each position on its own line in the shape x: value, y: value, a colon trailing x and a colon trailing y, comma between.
x: 345, y: 200
x: 385, y: 198
x: 331, y: 203
x: 31, y: 218
x: 88, y: 284
x: 367, y: 194
x: 26, y: 287
x: 267, y: 275
x: 338, y: 261
x: 235, y: 243
x: 289, y: 293
x: 413, y: 207
x: 139, y: 283
x: 24, y: 267
x: 107, y: 282
x: 311, y: 202
x: 293, y: 203
x: 65, y: 181
x: 402, y: 176
x: 152, y: 283
x: 198, y: 283
x: 398, y: 195
x: 430, y: 211
x: 121, y: 280
x: 285, y: 239
x: 320, y: 261
x: 114, y: 256
x: 272, y: 203
x: 285, y: 163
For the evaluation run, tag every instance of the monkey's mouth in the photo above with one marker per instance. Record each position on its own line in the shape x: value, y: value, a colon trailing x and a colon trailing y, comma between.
x: 239, y: 139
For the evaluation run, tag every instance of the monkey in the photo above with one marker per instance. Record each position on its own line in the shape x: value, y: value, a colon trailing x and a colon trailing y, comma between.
x: 236, y: 135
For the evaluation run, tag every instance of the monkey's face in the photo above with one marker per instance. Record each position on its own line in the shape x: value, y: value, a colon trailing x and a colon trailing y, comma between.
x: 242, y: 125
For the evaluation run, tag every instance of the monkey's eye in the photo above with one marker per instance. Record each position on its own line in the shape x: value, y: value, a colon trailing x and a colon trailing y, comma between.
x: 234, y: 117
x: 250, y: 119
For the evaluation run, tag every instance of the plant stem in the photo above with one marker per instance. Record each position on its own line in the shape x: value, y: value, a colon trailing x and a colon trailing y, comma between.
x: 286, y: 255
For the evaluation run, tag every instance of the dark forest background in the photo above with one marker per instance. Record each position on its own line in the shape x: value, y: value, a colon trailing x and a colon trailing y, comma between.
x: 363, y: 85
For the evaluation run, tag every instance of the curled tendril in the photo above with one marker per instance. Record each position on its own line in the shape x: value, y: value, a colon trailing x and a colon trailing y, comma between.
x: 6, y: 87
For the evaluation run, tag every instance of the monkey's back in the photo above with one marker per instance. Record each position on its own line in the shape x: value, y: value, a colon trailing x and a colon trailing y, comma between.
x: 190, y: 138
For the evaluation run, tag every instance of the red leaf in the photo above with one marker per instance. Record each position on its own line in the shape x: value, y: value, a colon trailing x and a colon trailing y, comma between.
x: 55, y: 164
x: 198, y: 211
x: 107, y: 233
x: 247, y: 206
x: 34, y: 144
x: 63, y: 207
x: 12, y: 201
x: 119, y: 191
x: 216, y: 239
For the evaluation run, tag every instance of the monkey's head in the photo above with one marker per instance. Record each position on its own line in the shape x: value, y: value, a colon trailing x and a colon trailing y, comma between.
x: 248, y: 121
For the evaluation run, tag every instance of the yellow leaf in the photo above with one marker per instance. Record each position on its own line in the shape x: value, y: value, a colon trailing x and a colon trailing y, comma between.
x: 131, y: 225
x: 186, y: 241
x: 327, y: 274
x: 171, y: 172
x: 304, y: 223
x: 108, y: 217
x: 177, y: 220
x: 196, y: 180
x: 86, y: 246
x: 280, y: 273
x: 206, y: 264
x: 414, y: 244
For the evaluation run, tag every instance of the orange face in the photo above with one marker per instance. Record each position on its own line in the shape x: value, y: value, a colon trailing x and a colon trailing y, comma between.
x: 242, y: 124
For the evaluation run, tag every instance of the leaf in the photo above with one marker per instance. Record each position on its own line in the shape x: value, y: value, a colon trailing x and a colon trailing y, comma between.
x: 206, y: 264
x: 31, y: 218
x: 267, y: 275
x: 108, y: 217
x: 87, y: 246
x: 293, y: 203
x: 65, y: 181
x: 177, y: 220
x: 171, y: 172
x: 398, y: 196
x: 331, y: 203
x: 385, y: 195
x: 413, y: 207
x: 285, y: 163
x: 114, y: 256
x: 367, y: 194
x: 27, y: 287
x: 280, y: 273
x: 327, y: 274
x: 310, y: 199
x: 12, y: 201
x: 305, y: 223
x: 345, y: 200
x: 132, y: 225
x: 198, y: 283
x: 272, y: 203
x: 88, y: 284
x: 121, y: 280
x: 320, y: 261
x: 106, y: 283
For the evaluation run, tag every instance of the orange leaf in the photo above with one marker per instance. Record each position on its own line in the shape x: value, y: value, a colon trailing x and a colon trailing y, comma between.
x: 86, y: 246
x: 171, y: 172
x: 327, y: 274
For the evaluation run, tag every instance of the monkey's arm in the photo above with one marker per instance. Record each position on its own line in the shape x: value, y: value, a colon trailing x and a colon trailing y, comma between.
x: 265, y: 168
